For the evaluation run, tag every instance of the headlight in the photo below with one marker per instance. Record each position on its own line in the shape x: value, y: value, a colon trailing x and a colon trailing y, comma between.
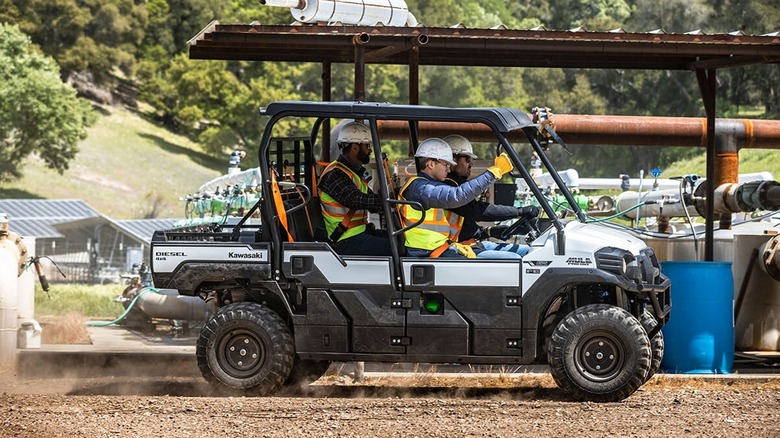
x: 615, y: 260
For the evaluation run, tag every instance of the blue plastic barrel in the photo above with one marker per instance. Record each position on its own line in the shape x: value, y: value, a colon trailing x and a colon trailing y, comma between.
x: 699, y: 338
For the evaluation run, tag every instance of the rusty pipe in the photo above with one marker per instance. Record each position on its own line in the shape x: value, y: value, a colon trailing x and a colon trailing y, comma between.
x: 615, y: 130
x: 361, y: 39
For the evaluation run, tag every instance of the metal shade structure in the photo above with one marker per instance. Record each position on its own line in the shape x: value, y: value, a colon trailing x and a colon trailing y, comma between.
x: 483, y: 47
x: 496, y: 47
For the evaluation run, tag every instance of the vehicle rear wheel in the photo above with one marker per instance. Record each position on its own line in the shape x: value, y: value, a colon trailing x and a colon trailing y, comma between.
x: 246, y: 347
x: 599, y: 353
x: 656, y: 343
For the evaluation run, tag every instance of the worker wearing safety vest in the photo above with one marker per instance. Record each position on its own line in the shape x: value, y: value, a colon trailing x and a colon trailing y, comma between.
x: 346, y: 198
x: 463, y: 155
x: 437, y: 234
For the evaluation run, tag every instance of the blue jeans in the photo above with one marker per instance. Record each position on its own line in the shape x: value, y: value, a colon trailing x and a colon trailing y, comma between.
x: 491, y: 251
x: 509, y: 248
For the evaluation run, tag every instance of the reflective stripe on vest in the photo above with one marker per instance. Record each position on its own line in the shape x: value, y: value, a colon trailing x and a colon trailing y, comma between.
x: 439, y: 227
x: 334, y: 213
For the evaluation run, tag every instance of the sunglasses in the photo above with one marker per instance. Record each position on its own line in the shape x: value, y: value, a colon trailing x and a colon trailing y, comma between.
x: 464, y: 157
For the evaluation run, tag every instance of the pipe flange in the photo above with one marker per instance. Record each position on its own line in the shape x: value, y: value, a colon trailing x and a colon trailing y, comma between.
x: 770, y: 258
x: 700, y: 198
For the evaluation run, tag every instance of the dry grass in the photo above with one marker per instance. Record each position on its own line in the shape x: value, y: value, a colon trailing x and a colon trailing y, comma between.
x: 710, y: 382
x: 66, y: 329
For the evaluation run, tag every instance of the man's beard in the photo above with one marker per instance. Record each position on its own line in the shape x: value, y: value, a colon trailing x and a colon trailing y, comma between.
x: 363, y: 157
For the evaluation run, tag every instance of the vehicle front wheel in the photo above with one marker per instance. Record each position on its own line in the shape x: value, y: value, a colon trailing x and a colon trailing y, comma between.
x: 599, y: 353
x: 246, y: 347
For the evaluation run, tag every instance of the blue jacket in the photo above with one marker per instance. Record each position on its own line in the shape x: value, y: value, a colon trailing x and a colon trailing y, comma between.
x: 434, y: 194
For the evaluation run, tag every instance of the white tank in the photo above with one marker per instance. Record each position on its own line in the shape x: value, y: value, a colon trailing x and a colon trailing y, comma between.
x: 357, y: 12
x: 9, y: 269
x: 666, y: 203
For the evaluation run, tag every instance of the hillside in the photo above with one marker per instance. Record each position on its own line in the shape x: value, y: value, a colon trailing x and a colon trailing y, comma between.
x: 126, y: 168
x: 750, y: 161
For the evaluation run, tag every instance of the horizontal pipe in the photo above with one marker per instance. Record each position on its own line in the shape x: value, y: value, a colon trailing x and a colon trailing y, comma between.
x: 614, y: 130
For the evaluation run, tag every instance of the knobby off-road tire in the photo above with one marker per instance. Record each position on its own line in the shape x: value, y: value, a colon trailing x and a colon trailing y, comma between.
x: 649, y: 322
x: 599, y: 353
x: 306, y: 371
x: 246, y: 347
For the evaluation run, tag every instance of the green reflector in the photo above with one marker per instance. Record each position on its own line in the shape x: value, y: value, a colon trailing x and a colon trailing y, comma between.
x: 432, y: 306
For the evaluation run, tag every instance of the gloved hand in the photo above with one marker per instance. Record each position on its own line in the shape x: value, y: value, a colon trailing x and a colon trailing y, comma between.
x: 464, y: 250
x: 528, y: 211
x: 501, y: 165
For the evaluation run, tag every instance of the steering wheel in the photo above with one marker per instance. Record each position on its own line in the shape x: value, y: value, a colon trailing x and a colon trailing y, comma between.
x: 528, y: 226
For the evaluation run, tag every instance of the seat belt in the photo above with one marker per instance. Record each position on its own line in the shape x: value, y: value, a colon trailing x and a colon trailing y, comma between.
x: 342, y: 227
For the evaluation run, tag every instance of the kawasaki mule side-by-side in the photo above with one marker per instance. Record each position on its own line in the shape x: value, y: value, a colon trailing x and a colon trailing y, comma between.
x: 587, y: 299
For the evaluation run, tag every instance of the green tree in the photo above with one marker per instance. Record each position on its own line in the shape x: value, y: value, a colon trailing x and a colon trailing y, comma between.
x: 41, y: 114
x: 84, y: 36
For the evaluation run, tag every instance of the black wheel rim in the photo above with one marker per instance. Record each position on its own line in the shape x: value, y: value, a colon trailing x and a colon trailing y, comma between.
x: 599, y: 356
x: 240, y: 353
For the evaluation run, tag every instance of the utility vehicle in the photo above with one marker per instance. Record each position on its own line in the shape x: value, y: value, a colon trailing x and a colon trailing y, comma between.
x: 588, y: 299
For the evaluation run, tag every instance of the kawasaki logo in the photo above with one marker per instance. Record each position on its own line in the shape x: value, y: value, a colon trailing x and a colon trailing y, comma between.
x: 254, y: 255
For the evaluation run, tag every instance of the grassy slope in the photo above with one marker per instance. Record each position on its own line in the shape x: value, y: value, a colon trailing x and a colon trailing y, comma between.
x: 750, y: 160
x: 124, y: 164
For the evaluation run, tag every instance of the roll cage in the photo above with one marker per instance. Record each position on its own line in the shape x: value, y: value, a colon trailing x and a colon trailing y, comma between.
x: 501, y: 121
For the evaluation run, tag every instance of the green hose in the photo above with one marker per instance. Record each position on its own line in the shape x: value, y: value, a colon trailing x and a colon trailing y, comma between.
x: 124, y: 314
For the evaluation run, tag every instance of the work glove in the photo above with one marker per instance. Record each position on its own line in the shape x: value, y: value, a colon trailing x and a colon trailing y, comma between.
x: 501, y: 165
x: 528, y: 211
x: 464, y: 250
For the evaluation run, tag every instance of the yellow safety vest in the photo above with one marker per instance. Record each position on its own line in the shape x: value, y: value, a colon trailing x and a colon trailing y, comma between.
x: 333, y: 213
x: 437, y: 231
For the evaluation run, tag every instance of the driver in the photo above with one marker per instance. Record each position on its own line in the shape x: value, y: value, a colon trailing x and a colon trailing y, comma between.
x: 437, y: 233
x: 463, y: 156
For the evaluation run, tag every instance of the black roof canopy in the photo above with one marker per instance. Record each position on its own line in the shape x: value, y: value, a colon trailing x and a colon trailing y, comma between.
x: 484, y: 47
x: 503, y: 119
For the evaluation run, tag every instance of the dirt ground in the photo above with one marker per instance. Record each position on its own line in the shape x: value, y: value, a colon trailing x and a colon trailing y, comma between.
x: 416, y: 404
x: 421, y: 405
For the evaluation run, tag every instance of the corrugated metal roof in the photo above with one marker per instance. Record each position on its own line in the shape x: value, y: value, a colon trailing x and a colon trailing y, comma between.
x: 143, y: 229
x: 36, y: 217
x: 72, y: 219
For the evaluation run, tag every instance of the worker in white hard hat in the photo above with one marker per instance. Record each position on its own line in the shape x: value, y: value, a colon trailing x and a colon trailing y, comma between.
x: 437, y: 234
x: 463, y: 155
x: 346, y: 198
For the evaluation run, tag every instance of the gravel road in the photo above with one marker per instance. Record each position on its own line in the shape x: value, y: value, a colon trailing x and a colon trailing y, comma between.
x: 423, y: 405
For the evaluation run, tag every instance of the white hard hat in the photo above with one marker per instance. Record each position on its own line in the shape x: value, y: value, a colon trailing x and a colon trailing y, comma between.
x: 354, y: 132
x: 435, y: 148
x: 460, y: 145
